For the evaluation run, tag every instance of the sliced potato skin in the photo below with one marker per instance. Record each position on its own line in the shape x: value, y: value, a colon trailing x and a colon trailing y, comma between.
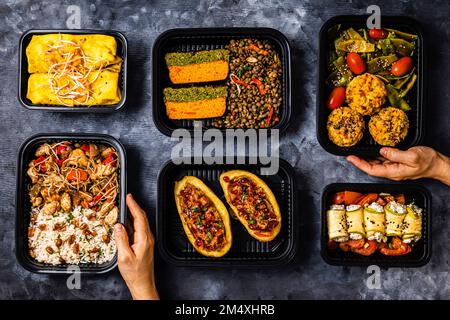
x: 223, y: 212
x: 258, y: 235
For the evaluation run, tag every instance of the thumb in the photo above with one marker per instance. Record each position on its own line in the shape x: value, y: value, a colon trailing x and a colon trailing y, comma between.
x: 395, y: 155
x: 123, y: 246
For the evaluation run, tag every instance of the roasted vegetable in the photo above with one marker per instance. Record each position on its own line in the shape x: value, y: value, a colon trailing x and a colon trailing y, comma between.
x: 395, y: 99
x: 253, y: 203
x: 204, y: 217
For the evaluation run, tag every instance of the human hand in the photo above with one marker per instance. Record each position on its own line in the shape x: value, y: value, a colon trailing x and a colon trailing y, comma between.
x: 414, y: 163
x: 136, y: 262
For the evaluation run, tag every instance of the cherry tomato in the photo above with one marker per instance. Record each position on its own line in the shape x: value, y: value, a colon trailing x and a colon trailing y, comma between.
x: 336, y: 98
x: 378, y: 34
x: 402, y: 66
x: 356, y: 63
x: 369, y: 250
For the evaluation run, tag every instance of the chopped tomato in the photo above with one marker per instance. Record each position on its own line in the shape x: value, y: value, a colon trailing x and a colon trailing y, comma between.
x: 367, y: 199
x: 60, y: 149
x: 388, y: 198
x: 344, y: 246
x: 338, y: 198
x: 60, y: 161
x: 367, y: 251
x: 40, y: 163
x: 96, y: 199
x: 109, y: 159
x: 75, y: 175
x: 356, y: 244
x: 396, y: 242
x: 381, y: 201
x: 400, y: 198
x: 85, y: 148
x: 399, y: 248
x: 350, y: 197
x: 346, y: 197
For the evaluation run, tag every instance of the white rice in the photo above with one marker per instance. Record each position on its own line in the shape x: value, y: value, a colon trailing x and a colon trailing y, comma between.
x: 41, y: 240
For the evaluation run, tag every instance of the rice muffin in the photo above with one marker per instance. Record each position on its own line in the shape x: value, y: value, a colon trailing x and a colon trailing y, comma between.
x: 366, y: 94
x: 345, y: 127
x: 389, y: 127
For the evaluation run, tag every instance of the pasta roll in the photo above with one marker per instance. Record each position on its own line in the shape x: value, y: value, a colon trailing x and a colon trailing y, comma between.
x: 395, y: 214
x: 355, y: 222
x: 374, y: 221
x: 412, y: 224
x: 337, y: 225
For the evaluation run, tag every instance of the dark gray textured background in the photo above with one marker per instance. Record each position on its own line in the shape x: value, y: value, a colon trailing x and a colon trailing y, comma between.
x: 309, y: 277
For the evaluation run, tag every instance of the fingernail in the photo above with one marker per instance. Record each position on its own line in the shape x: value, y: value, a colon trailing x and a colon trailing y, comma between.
x: 384, y: 152
x: 118, y: 228
x: 130, y: 195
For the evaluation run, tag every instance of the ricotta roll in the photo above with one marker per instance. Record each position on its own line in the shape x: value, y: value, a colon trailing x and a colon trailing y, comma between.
x: 355, y: 222
x: 374, y: 221
x: 395, y: 214
x: 337, y: 225
x: 412, y: 224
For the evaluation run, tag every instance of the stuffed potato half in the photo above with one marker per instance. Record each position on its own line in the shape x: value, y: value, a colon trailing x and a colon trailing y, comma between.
x: 253, y: 203
x: 204, y: 217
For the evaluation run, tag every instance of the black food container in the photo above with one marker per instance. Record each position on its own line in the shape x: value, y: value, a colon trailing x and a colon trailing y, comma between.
x: 24, y: 75
x: 23, y: 207
x: 421, y: 252
x: 417, y: 96
x: 245, y: 251
x: 184, y: 40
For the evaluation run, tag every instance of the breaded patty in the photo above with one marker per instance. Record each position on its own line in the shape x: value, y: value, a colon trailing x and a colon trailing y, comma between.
x: 389, y: 127
x: 345, y: 127
x: 366, y: 94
